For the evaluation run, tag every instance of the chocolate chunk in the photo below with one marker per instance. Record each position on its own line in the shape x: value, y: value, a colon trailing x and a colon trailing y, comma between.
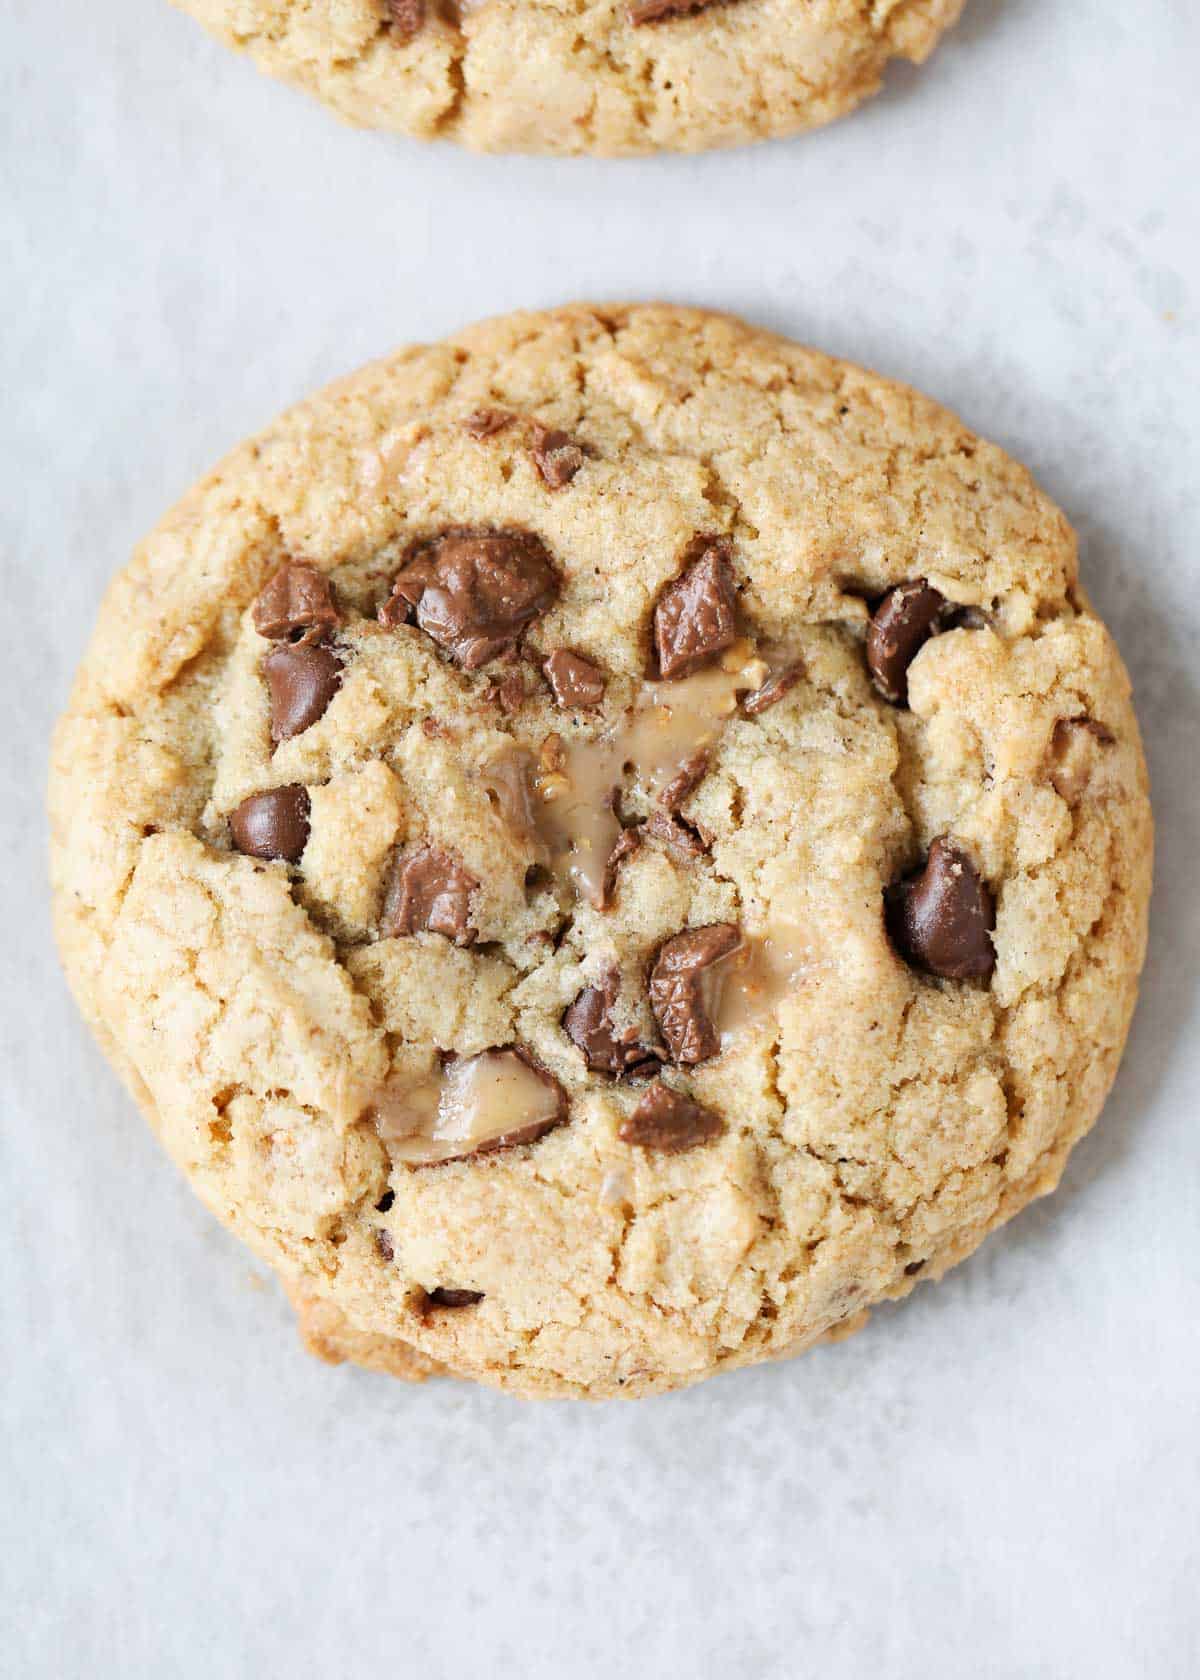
x: 406, y: 18
x: 385, y: 1245
x: 384, y: 1204
x: 627, y: 842
x: 678, y: 837
x: 486, y: 422
x: 685, y: 782
x: 668, y: 1122
x: 940, y: 918
x: 556, y: 455
x: 509, y: 693
x: 272, y: 824
x: 302, y: 681
x: 660, y: 11
x: 773, y: 690
x: 453, y: 1297
x: 473, y: 592
x: 536, y: 1128
x: 900, y: 626
x: 694, y: 619
x: 588, y: 1023
x: 297, y: 604
x: 1075, y: 747
x: 428, y: 891
x: 575, y: 682
x: 678, y: 989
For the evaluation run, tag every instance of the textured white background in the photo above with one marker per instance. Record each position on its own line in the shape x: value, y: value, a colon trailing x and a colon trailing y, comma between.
x: 999, y: 1479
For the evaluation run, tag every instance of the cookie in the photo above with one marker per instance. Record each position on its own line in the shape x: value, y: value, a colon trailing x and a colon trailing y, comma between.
x: 609, y: 77
x: 604, y: 847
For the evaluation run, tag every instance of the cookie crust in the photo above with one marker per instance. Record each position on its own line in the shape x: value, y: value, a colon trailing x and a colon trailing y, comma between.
x: 877, y: 1122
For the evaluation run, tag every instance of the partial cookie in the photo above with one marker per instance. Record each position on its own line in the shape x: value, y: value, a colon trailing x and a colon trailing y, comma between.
x: 606, y: 846
x: 612, y: 76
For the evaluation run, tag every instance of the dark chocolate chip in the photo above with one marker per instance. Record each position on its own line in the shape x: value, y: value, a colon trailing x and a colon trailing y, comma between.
x: 406, y: 18
x: 556, y: 455
x: 589, y: 1024
x: 486, y: 422
x: 428, y: 891
x: 941, y: 917
x: 384, y: 1204
x: 385, y: 1245
x: 272, y: 824
x: 678, y: 837
x: 694, y: 619
x: 1075, y: 746
x: 773, y: 690
x: 298, y: 603
x: 473, y: 592
x: 668, y: 1122
x: 685, y: 782
x: 915, y: 1266
x: 900, y: 626
x: 302, y: 681
x: 677, y: 989
x: 453, y: 1297
x: 627, y: 842
x: 574, y: 681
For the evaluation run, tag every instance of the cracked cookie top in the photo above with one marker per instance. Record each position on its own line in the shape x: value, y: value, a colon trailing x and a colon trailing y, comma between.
x: 606, y: 76
x: 605, y: 846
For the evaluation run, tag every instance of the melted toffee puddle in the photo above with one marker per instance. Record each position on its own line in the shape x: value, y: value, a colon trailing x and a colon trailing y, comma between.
x: 667, y: 725
x: 472, y: 1104
x: 747, y: 987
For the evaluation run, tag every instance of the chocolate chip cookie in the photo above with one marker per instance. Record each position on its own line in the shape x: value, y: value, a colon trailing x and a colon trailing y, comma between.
x: 609, y: 76
x: 604, y: 847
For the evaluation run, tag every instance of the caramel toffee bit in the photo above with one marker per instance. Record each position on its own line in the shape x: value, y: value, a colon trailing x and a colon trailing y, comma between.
x: 676, y: 836
x: 900, y: 626
x: 473, y: 592
x: 690, y: 774
x: 575, y: 682
x: 588, y: 1023
x: 677, y: 990
x: 453, y: 1298
x: 668, y: 1122
x: 272, y: 824
x: 297, y: 604
x: 1074, y: 749
x: 773, y: 690
x: 385, y: 1245
x: 627, y: 843
x: 941, y: 917
x: 486, y: 422
x: 406, y: 19
x: 556, y: 455
x: 694, y: 619
x: 428, y: 891
x: 302, y: 680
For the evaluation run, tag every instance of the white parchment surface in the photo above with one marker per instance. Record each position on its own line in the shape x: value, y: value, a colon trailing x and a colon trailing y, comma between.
x: 998, y: 1479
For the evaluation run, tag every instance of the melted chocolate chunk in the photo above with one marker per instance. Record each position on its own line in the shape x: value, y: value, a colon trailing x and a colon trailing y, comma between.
x: 509, y: 693
x: 406, y: 19
x: 297, y: 604
x: 556, y: 455
x: 694, y: 619
x: 302, y: 681
x: 272, y: 824
x: 1075, y: 747
x: 668, y: 1122
x: 486, y: 422
x: 473, y: 592
x: 900, y: 626
x: 661, y: 11
x: 588, y: 1023
x: 678, y: 837
x: 677, y: 990
x: 428, y: 891
x: 453, y: 1298
x: 773, y: 690
x: 941, y: 917
x: 627, y: 843
x: 576, y: 684
x: 688, y: 778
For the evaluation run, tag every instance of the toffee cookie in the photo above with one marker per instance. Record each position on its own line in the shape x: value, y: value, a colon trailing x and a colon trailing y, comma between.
x: 589, y: 929
x: 604, y: 76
